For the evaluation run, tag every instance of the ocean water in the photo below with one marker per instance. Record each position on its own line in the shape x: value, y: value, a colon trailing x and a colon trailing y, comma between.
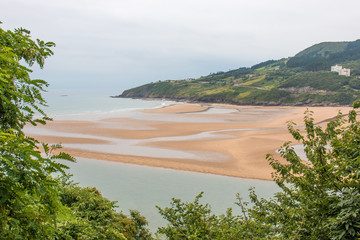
x: 142, y: 187
x: 75, y: 102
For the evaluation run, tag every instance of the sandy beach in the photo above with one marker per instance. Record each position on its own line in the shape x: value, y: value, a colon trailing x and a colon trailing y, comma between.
x: 209, y: 138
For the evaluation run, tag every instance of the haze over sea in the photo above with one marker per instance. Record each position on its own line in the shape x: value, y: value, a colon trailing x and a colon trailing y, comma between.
x: 142, y: 187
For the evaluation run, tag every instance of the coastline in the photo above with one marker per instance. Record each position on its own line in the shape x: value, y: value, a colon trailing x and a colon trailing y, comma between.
x: 233, y: 103
x: 231, y: 142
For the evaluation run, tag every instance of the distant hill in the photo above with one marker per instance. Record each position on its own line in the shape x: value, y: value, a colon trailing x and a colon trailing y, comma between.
x: 323, y: 49
x: 321, y: 56
x: 304, y: 79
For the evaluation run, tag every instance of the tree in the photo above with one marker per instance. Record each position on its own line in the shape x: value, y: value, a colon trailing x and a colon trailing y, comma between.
x: 320, y: 197
x: 34, y: 204
x: 195, y: 221
x: 21, y: 95
x: 29, y: 201
x: 95, y: 217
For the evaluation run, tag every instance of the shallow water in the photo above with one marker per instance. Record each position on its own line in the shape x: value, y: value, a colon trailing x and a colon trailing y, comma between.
x: 142, y: 187
x: 135, y: 147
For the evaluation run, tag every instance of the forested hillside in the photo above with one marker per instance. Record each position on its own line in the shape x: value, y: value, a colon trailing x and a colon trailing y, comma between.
x: 304, y: 79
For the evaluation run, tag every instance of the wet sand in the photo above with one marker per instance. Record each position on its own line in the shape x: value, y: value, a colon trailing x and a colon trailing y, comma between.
x: 218, y: 139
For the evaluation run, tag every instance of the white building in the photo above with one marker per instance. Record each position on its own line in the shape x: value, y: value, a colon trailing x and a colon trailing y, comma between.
x: 341, y: 70
x: 345, y: 72
x: 336, y: 68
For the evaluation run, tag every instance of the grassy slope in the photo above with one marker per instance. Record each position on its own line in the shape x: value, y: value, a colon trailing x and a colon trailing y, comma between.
x: 323, y: 49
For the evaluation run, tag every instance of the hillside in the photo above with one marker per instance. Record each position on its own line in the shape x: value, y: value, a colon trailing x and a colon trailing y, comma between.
x: 304, y: 79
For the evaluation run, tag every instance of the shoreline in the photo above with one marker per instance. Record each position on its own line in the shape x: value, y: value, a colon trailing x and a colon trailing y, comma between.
x: 260, y: 104
x: 240, y: 137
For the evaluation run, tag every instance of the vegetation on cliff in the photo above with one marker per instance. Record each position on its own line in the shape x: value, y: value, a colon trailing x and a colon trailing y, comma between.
x: 304, y: 79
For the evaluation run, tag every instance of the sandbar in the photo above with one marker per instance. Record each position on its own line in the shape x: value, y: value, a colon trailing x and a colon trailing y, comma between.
x: 234, y: 143
x: 178, y: 108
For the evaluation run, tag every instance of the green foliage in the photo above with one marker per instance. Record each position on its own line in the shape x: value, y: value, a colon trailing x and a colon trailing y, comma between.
x: 317, y: 80
x: 273, y: 95
x: 263, y: 64
x: 20, y: 95
x: 29, y: 202
x: 195, y: 221
x: 95, y: 217
x: 354, y: 83
x: 34, y: 204
x: 323, y: 49
x: 320, y: 197
x: 284, y: 86
x: 313, y: 63
x: 237, y: 73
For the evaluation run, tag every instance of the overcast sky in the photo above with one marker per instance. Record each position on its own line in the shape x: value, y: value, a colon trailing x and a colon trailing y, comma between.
x: 117, y: 44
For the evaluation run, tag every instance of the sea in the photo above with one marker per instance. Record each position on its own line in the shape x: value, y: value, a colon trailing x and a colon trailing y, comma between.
x: 141, y: 187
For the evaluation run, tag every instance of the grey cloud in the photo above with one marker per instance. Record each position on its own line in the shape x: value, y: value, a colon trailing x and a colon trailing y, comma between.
x: 131, y: 42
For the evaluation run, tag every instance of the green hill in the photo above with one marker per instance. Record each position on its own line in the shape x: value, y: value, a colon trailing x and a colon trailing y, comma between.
x: 321, y: 56
x: 323, y: 49
x: 304, y: 79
